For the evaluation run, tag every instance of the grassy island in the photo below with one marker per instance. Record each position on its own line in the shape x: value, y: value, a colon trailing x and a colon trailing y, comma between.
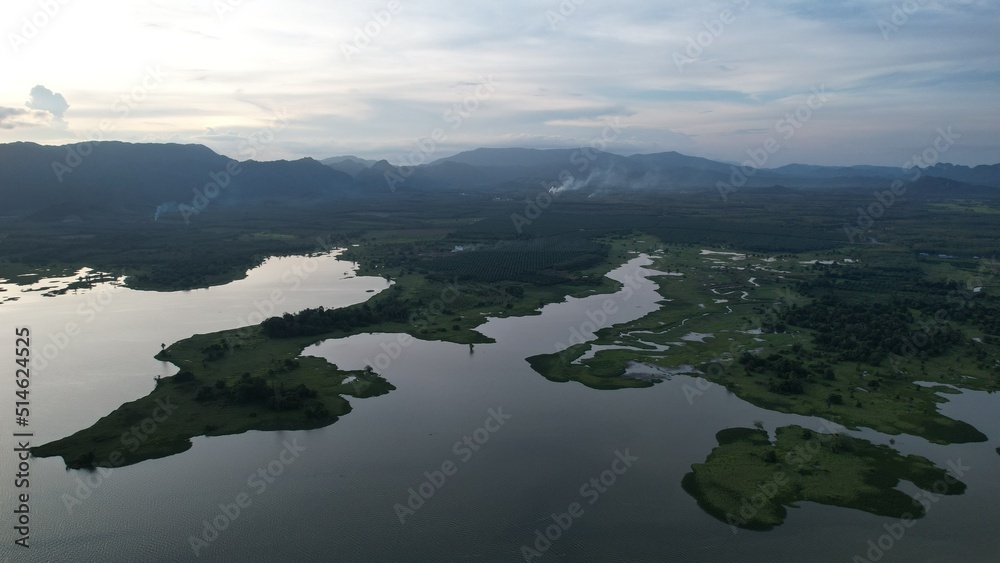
x: 256, y: 384
x: 255, y: 378
x: 748, y: 481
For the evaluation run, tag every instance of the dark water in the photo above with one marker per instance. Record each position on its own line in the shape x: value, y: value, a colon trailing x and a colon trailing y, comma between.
x: 336, y: 501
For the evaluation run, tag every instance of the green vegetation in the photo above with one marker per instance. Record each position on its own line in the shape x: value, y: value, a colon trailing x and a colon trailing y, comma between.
x: 541, y: 261
x: 781, y: 310
x: 602, y: 373
x: 748, y: 481
x: 969, y: 207
x: 836, y: 341
x: 255, y: 384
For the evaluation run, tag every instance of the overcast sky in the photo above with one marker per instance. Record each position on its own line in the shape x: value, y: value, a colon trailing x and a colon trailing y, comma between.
x: 713, y: 79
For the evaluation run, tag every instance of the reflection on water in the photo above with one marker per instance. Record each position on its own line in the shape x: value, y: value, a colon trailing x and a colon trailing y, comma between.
x: 336, y: 501
x: 100, y: 342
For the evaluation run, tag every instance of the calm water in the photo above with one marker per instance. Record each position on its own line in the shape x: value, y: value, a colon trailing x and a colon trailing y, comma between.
x: 335, y: 501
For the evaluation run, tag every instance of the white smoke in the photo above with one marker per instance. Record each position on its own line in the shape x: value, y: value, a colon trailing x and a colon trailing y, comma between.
x: 571, y: 184
x: 602, y: 180
x: 164, y: 208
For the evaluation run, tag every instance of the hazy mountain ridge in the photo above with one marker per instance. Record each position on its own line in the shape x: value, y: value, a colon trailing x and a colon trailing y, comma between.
x: 156, y: 178
x: 982, y: 175
x: 348, y: 164
x: 137, y: 177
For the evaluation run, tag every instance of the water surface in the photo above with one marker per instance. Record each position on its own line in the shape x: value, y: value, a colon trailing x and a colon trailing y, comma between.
x: 336, y: 500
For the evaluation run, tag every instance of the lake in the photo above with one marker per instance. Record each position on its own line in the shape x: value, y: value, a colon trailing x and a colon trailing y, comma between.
x: 517, y: 448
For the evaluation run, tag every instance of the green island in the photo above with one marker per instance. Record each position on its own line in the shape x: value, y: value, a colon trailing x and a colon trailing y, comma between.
x: 222, y: 388
x: 768, y: 300
x: 255, y: 378
x: 748, y: 481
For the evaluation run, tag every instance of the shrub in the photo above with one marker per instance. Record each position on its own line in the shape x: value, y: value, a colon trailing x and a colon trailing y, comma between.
x: 184, y: 376
x: 205, y: 393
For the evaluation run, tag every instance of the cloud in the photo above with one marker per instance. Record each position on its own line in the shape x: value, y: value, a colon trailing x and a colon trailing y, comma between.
x: 45, y: 108
x: 555, y: 84
x: 12, y: 118
x: 43, y: 99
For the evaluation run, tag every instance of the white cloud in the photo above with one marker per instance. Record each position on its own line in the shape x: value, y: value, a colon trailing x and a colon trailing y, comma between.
x: 43, y: 99
x: 224, y: 73
x: 13, y: 118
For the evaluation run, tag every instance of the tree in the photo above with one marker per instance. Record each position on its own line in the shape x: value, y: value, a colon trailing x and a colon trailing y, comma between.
x: 183, y: 376
x: 205, y: 393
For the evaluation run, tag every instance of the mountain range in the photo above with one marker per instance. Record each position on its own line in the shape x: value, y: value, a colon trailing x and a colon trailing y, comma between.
x: 45, y: 181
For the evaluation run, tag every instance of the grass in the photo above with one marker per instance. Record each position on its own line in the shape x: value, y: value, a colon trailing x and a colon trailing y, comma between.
x: 398, y: 237
x: 970, y: 207
x: 748, y: 481
x: 163, y: 422
x: 898, y: 406
x: 451, y: 311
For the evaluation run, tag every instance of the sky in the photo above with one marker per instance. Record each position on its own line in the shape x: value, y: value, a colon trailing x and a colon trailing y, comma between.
x: 832, y: 83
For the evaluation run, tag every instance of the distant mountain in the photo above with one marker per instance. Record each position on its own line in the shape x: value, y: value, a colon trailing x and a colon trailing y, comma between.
x: 348, y: 164
x: 376, y: 178
x: 983, y: 175
x: 813, y: 171
x: 592, y: 170
x: 282, y: 180
x: 514, y: 157
x: 338, y: 159
x: 522, y: 166
x: 114, y: 176
x: 78, y: 181
x: 668, y: 160
x: 447, y: 176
